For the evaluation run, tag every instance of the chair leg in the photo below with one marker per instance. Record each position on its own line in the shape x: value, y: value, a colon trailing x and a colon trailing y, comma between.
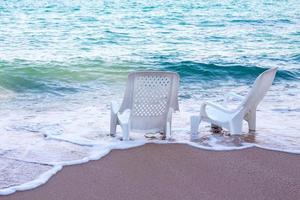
x: 252, y: 121
x: 195, y: 122
x: 168, y: 126
x: 113, y: 124
x: 168, y: 131
x: 125, y: 131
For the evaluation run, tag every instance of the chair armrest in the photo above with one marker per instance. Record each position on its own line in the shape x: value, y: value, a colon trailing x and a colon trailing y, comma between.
x: 233, y: 96
x: 114, y: 107
x: 216, y: 106
x: 124, y: 117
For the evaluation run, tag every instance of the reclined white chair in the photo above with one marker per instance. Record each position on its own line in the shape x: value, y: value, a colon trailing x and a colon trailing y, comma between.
x: 232, y: 119
x: 149, y: 101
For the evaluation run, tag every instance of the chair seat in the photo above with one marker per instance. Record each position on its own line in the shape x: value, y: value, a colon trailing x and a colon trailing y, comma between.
x: 216, y: 114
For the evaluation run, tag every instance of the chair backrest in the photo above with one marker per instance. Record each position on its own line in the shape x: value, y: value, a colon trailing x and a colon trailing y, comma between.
x: 149, y: 95
x: 259, y: 89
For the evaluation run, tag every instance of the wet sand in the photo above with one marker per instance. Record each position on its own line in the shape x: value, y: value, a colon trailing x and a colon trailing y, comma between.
x: 174, y: 172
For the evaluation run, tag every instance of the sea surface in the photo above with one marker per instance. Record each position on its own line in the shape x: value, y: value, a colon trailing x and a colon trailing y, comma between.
x: 62, y: 62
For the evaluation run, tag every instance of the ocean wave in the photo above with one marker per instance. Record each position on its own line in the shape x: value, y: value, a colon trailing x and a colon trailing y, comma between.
x: 196, y: 71
x: 53, y: 77
x: 78, y: 75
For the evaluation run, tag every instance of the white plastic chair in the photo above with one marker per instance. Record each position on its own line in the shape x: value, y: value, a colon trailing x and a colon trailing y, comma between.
x: 232, y: 119
x: 149, y: 101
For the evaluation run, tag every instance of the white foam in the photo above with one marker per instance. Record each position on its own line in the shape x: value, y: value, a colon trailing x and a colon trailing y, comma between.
x: 42, y: 179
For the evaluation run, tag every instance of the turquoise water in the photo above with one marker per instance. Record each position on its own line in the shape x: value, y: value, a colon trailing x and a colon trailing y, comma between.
x: 48, y: 46
x: 62, y: 62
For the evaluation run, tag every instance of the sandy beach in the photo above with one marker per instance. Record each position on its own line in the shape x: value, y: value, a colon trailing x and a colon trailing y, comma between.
x: 176, y: 171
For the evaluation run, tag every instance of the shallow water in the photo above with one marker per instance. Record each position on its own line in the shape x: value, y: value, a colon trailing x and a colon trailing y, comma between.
x: 62, y: 63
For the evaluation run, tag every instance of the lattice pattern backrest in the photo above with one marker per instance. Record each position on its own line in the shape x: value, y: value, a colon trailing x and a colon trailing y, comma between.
x: 151, y: 95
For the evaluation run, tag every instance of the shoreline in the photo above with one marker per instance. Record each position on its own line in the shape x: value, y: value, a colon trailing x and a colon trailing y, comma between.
x: 176, y: 171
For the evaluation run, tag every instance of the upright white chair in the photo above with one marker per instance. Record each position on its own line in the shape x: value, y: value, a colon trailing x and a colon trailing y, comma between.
x: 232, y: 119
x: 149, y: 101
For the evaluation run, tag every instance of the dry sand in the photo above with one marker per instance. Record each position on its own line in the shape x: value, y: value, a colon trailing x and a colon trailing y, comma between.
x: 174, y: 172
